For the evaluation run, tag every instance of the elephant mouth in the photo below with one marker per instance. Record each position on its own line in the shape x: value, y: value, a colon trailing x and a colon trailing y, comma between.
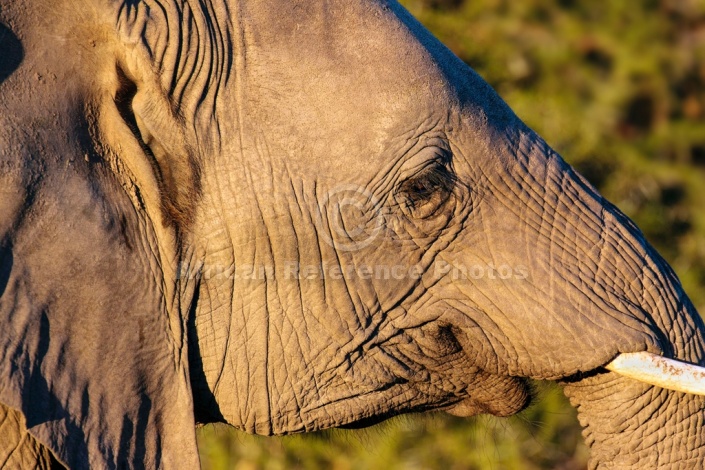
x: 368, y: 422
x: 495, y: 395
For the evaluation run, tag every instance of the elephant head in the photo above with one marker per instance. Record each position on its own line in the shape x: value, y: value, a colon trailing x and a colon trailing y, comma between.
x: 295, y: 215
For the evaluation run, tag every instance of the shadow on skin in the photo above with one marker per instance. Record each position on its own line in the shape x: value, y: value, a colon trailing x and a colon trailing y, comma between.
x: 5, y: 265
x: 206, y: 409
x: 11, y: 52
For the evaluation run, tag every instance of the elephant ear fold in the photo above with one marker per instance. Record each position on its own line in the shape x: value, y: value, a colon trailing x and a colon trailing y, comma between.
x: 162, y: 136
x: 92, y: 345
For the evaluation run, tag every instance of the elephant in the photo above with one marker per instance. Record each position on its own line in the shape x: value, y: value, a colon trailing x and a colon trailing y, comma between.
x: 295, y: 215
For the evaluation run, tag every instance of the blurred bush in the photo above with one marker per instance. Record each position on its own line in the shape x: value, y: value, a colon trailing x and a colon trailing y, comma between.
x: 618, y: 88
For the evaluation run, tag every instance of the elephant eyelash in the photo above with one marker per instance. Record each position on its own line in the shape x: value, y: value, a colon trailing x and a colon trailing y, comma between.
x: 428, y: 190
x: 430, y: 181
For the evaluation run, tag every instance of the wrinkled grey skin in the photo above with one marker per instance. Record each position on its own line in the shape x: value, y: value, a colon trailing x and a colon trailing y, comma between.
x: 165, y: 167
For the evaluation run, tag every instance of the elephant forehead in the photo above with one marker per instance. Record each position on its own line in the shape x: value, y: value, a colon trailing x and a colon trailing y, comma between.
x: 349, y: 79
x: 367, y: 42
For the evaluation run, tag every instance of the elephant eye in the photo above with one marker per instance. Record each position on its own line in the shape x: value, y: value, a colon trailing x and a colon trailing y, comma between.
x: 425, y: 193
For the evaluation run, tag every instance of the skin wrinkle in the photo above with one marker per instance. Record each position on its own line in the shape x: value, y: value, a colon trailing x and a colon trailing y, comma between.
x: 267, y: 339
x: 541, y: 218
x: 515, y: 293
x: 359, y: 306
x: 223, y: 360
x: 486, y: 234
x: 324, y: 325
x: 214, y: 327
x: 222, y: 77
x: 615, y: 269
x: 612, y: 304
x: 190, y: 69
x: 349, y: 292
x: 538, y: 197
x: 401, y: 148
x: 602, y: 258
x: 289, y: 377
x: 624, y: 250
x: 599, y: 440
x: 179, y: 36
x: 552, y: 225
x: 301, y: 301
x: 499, y: 347
x: 211, y: 64
x: 575, y: 285
x: 298, y: 205
x: 646, y: 313
x: 229, y: 331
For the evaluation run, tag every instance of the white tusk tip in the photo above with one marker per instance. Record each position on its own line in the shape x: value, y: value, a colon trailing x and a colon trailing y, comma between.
x: 660, y: 371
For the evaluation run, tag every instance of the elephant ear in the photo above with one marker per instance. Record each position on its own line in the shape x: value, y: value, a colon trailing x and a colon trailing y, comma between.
x: 92, y: 344
x: 93, y: 205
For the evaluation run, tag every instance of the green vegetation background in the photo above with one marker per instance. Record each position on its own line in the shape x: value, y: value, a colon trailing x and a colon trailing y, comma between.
x: 618, y: 88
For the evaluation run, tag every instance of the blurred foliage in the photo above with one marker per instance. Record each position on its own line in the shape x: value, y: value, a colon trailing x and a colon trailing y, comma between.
x: 618, y: 89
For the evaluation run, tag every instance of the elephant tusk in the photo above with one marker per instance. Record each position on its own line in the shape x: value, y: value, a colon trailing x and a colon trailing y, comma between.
x: 660, y: 371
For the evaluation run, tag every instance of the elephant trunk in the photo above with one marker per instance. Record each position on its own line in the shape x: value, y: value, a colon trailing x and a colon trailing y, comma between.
x: 632, y: 425
x: 627, y: 422
x: 603, y: 291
